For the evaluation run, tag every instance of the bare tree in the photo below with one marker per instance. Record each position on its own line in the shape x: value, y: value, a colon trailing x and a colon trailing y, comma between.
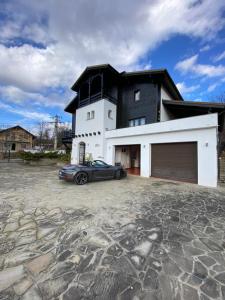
x: 44, y: 138
x: 220, y: 98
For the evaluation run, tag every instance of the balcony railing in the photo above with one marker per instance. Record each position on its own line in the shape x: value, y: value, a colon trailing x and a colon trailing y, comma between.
x: 96, y: 97
x: 68, y: 136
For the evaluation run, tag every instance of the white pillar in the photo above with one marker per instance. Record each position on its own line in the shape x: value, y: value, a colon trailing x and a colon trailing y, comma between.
x: 145, y: 160
x: 110, y: 154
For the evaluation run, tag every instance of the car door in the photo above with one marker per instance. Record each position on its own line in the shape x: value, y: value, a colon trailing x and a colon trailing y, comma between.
x: 102, y: 171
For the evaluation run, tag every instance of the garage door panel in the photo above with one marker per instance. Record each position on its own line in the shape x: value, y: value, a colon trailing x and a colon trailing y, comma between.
x: 177, y: 161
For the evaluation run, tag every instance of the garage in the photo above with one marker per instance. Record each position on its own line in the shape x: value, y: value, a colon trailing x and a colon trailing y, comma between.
x: 128, y: 156
x: 176, y: 161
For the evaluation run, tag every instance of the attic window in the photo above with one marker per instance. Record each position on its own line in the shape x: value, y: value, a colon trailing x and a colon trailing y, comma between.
x: 137, y: 95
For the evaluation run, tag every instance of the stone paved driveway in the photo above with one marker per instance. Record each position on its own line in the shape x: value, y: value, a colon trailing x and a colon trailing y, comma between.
x: 130, y: 239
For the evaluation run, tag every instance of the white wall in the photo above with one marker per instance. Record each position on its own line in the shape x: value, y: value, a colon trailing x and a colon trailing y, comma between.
x: 95, y: 144
x: 165, y: 114
x: 201, y: 129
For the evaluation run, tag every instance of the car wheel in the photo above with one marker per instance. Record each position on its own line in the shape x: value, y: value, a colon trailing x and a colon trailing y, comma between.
x: 118, y: 175
x: 81, y: 178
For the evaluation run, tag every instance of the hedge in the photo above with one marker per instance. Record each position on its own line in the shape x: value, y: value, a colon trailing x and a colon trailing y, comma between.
x: 50, y: 155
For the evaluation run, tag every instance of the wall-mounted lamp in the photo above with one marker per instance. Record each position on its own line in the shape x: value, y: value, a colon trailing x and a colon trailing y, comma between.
x: 206, y: 144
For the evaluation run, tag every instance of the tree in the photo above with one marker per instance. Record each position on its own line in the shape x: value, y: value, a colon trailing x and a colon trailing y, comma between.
x: 44, y: 138
x: 220, y: 98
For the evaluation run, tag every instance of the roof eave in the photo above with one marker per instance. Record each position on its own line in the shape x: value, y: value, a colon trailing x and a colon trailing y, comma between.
x: 195, y: 104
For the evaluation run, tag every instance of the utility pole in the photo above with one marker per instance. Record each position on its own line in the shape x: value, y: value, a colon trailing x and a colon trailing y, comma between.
x: 41, y: 134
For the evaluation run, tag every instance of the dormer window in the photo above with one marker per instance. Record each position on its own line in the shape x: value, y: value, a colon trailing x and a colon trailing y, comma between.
x: 137, y: 95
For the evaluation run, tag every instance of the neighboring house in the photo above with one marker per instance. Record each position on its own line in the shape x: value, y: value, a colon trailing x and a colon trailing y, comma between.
x: 140, y: 120
x: 15, y: 139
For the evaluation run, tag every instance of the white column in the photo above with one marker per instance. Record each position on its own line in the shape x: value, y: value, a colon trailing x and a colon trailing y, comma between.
x: 145, y: 160
x: 207, y: 159
x: 110, y: 154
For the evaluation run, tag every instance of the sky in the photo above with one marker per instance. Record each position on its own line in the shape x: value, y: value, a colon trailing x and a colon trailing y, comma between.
x: 45, y: 45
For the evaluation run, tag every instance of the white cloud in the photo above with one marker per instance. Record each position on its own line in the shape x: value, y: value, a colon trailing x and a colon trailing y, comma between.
x: 197, y: 100
x: 31, y: 115
x: 184, y: 89
x: 191, y: 65
x: 205, y: 48
x: 212, y: 87
x: 77, y: 33
x: 220, y: 56
x: 18, y: 96
x: 31, y: 68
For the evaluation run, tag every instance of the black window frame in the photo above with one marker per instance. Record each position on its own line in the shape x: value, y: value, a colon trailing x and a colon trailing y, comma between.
x: 139, y: 121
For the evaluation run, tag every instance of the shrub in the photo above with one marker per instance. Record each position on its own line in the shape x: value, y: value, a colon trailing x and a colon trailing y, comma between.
x: 65, y: 157
x: 50, y: 155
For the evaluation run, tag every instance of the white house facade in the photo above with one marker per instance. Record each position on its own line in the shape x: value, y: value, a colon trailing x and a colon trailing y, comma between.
x: 140, y: 121
x: 91, y: 123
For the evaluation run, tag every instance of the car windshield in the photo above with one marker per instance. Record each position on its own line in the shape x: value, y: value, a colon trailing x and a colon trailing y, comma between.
x: 99, y: 163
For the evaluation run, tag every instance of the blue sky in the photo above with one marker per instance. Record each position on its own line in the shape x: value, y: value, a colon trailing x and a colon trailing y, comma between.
x: 45, y: 45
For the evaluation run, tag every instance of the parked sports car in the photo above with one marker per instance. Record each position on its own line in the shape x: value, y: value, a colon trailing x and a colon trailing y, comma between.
x: 91, y: 171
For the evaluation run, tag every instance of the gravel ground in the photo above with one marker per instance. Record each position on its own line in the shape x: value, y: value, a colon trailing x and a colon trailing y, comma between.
x: 136, y: 238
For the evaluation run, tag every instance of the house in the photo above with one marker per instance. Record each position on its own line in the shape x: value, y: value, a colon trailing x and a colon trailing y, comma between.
x: 140, y: 120
x: 15, y: 139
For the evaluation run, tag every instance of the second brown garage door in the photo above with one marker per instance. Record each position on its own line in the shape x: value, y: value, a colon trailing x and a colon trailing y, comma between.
x: 176, y: 161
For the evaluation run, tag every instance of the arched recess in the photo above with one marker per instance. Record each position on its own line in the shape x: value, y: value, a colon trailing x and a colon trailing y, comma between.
x: 96, y: 85
x: 84, y: 91
x: 81, y: 153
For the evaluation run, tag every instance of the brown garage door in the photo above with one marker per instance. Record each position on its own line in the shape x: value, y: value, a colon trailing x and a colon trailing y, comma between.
x: 177, y: 161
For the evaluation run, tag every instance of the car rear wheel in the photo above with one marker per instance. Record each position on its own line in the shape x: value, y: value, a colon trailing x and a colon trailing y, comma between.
x: 81, y: 178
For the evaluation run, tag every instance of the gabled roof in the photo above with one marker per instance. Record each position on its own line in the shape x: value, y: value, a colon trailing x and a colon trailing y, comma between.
x: 163, y: 74
x: 18, y: 127
x: 92, y: 68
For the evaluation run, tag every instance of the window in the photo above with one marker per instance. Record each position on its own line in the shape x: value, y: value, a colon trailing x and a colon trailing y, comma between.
x: 137, y: 95
x: 13, y: 147
x: 142, y: 121
x: 131, y: 123
x: 91, y: 115
x: 99, y: 164
x: 137, y: 122
x: 110, y: 114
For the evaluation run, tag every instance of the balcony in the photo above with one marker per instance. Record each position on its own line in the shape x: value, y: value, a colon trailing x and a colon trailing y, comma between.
x: 67, y: 137
x: 96, y: 97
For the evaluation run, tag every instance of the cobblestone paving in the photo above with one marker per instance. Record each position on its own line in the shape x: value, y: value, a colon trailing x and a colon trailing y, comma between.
x: 169, y: 246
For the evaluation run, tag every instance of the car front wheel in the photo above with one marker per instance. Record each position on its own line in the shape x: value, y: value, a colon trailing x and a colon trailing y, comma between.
x: 81, y: 178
